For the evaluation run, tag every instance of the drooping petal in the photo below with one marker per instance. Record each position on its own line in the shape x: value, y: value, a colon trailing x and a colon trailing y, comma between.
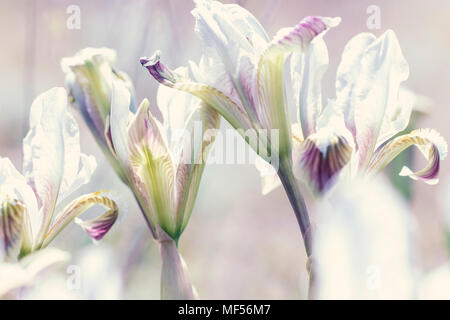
x: 270, y: 77
x: 321, y: 157
x: 96, y: 228
x: 429, y: 142
x: 368, y: 82
x: 216, y: 99
x: 43, y: 149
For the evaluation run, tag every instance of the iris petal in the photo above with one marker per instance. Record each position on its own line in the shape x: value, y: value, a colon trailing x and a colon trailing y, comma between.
x: 211, y: 96
x: 96, y: 228
x: 270, y: 77
x: 430, y: 143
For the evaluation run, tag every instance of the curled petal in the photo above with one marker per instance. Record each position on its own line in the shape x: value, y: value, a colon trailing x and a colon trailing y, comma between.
x: 321, y: 157
x: 270, y: 77
x: 429, y: 142
x: 96, y: 228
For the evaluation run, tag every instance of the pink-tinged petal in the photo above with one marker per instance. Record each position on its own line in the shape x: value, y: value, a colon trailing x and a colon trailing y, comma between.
x: 320, y: 159
x: 231, y: 39
x: 269, y: 176
x: 368, y: 82
x: 323, y: 155
x: 96, y: 228
x: 430, y: 143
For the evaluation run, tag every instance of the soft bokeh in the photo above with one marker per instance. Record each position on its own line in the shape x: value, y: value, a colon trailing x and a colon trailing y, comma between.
x: 239, y: 244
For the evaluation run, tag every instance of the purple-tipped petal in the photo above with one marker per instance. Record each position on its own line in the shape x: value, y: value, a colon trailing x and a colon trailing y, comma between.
x: 319, y: 160
x: 158, y: 70
x: 97, y: 228
x: 429, y: 142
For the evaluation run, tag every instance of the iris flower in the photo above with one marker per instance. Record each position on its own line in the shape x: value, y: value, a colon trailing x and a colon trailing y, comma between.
x: 242, y: 76
x: 358, y: 129
x: 88, y: 78
x: 163, y: 163
x: 31, y: 204
x: 255, y: 83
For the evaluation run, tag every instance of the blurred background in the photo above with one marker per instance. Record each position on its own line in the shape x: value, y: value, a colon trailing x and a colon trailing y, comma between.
x: 239, y: 244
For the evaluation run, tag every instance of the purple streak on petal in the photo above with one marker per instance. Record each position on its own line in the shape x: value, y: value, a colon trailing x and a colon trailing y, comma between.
x: 88, y: 111
x: 320, y: 168
x: 97, y: 229
x: 157, y: 69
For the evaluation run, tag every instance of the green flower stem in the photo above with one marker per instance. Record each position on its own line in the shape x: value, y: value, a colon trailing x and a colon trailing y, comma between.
x: 297, y: 202
x: 175, y: 282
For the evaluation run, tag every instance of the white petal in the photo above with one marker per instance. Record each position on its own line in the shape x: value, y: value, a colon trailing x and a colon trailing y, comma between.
x: 228, y: 33
x: 120, y: 115
x: 43, y: 147
x: 309, y: 70
x: 176, y: 108
x: 86, y: 168
x: 368, y: 82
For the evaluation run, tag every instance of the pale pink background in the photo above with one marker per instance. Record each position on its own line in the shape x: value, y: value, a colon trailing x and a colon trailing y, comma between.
x: 239, y: 244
